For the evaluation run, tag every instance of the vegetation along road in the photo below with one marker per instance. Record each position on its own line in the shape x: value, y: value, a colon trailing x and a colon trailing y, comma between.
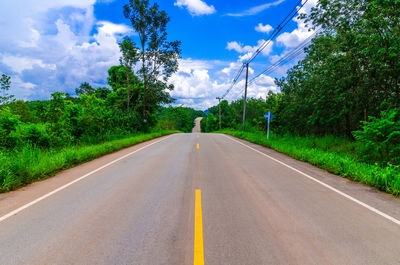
x: 206, y: 197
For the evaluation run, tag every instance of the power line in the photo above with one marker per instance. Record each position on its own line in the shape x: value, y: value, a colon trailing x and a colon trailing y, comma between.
x: 234, y: 81
x: 278, y: 29
x: 275, y: 33
x: 282, y: 61
x: 287, y: 57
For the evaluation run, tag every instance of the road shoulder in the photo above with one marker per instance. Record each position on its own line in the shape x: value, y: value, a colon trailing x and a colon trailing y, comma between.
x: 382, y: 201
x: 13, y: 200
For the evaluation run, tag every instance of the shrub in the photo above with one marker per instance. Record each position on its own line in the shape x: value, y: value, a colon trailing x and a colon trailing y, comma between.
x: 380, y: 138
x: 30, y: 133
x: 8, y: 124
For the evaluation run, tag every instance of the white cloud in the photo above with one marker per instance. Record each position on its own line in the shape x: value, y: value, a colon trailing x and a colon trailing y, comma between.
x: 263, y: 28
x: 48, y: 45
x: 196, y: 87
x: 255, y: 10
x: 240, y: 48
x: 231, y: 69
x: 193, y: 84
x: 302, y: 32
x: 18, y: 64
x: 294, y: 38
x: 262, y: 86
x: 112, y: 29
x: 196, y: 7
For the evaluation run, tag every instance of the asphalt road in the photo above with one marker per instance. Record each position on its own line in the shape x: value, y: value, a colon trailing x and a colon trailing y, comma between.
x: 255, y: 210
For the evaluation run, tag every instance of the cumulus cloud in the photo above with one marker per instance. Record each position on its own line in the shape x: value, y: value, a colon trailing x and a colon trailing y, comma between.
x: 263, y: 28
x: 262, y: 86
x: 256, y: 9
x: 194, y: 85
x: 112, y: 29
x: 302, y: 32
x: 196, y: 7
x: 197, y: 84
x: 240, y: 48
x: 294, y: 38
x: 49, y: 45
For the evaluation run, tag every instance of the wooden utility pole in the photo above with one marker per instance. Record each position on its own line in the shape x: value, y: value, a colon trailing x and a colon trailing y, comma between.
x: 245, y: 95
x: 219, y: 106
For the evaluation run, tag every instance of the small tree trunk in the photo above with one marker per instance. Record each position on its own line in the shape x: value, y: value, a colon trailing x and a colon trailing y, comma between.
x: 365, y: 114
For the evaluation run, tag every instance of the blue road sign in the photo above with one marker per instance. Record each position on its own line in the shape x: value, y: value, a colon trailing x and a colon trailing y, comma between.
x: 206, y: 111
x: 268, y: 116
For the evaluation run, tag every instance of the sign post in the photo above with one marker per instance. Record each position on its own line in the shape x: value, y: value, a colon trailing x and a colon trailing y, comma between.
x: 268, y: 116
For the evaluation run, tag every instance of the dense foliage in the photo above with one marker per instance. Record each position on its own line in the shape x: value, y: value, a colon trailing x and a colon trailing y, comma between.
x: 97, y: 115
x: 351, y: 71
x: 348, y: 85
x: 177, y: 118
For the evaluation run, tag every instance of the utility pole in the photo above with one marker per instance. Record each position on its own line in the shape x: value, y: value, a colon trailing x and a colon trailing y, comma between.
x: 219, y: 106
x: 245, y: 95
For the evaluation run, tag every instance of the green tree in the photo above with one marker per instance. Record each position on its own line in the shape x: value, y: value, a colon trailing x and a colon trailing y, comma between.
x: 129, y: 58
x: 21, y: 108
x: 5, y: 84
x: 158, y: 56
x: 85, y: 88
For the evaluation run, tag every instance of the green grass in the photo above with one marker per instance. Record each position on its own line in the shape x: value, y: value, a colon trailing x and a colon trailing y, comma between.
x: 336, y: 155
x: 21, y: 167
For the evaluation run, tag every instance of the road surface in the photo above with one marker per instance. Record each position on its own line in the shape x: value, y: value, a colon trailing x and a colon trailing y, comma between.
x: 197, y: 127
x: 257, y: 207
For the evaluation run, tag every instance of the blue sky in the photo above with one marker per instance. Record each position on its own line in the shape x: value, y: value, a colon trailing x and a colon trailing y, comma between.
x: 54, y: 45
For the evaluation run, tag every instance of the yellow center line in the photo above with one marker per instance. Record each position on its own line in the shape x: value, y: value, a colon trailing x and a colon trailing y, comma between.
x: 198, y: 231
x: 198, y: 146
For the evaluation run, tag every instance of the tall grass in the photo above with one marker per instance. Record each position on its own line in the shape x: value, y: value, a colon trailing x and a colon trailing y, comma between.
x: 336, y: 155
x: 21, y: 167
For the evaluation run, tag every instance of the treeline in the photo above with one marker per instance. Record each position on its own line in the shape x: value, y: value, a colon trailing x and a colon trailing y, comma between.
x: 351, y: 71
x: 96, y: 115
x: 348, y: 85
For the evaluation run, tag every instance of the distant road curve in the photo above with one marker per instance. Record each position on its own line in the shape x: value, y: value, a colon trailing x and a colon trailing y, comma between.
x: 197, y: 127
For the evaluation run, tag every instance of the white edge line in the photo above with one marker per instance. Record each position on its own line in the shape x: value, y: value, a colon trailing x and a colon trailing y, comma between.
x: 14, y: 212
x: 394, y: 220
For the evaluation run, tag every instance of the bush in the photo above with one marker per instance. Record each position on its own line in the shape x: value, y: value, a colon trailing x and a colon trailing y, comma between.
x: 8, y: 124
x: 380, y: 138
x: 33, y: 134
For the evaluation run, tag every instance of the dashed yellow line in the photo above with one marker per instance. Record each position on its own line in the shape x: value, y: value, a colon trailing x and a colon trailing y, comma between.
x: 198, y: 231
x: 198, y: 146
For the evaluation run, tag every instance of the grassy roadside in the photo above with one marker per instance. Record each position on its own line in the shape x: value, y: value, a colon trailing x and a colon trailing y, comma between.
x: 335, y: 155
x: 19, y: 168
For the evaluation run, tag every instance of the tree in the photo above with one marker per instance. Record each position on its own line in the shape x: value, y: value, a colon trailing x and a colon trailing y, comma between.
x: 84, y: 89
x: 129, y: 58
x: 117, y: 79
x: 102, y: 92
x: 159, y: 57
x: 5, y: 84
